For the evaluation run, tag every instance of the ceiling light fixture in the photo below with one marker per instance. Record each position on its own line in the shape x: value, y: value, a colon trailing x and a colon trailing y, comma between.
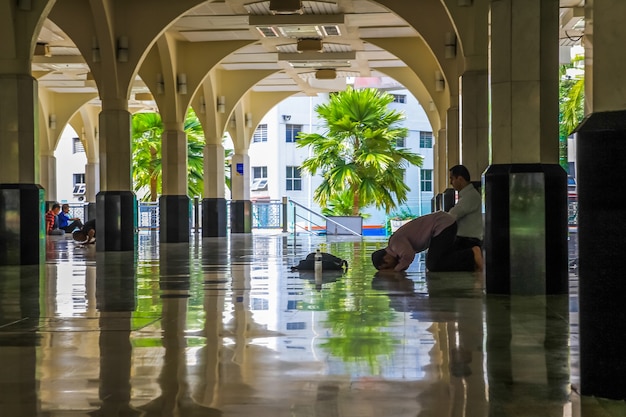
x: 221, y: 104
x: 440, y: 83
x: 310, y: 45
x: 286, y: 6
x: 450, y: 45
x: 43, y: 49
x: 95, y: 50
x: 181, y: 83
x: 122, y: 49
x: 326, y: 74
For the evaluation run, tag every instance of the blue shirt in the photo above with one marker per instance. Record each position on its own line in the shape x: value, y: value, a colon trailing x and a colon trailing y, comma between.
x: 64, y: 219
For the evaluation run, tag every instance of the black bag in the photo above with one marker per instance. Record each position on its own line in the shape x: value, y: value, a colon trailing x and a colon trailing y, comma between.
x: 329, y: 263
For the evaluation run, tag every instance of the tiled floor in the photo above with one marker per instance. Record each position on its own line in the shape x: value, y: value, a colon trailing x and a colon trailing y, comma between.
x: 222, y: 327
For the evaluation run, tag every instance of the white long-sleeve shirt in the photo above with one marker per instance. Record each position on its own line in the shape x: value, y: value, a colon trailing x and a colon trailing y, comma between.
x: 468, y: 213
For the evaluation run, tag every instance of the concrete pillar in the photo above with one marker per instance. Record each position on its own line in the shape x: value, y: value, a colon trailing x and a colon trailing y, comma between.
x: 525, y: 187
x: 21, y: 198
x: 240, y: 205
x: 214, y: 221
x: 174, y: 204
x: 475, y: 122
x: 116, y: 204
x: 92, y: 187
x: 601, y: 144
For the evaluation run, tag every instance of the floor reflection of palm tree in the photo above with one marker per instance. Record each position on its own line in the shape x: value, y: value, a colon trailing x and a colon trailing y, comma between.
x: 357, y: 318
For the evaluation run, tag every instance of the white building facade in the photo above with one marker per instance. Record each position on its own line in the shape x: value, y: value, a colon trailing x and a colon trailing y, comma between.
x: 275, y: 159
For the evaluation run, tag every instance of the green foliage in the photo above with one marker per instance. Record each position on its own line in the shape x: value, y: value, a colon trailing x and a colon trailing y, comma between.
x: 571, y: 107
x: 146, y: 154
x: 357, y: 155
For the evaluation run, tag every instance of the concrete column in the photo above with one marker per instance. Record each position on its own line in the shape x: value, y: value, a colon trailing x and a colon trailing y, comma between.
x: 174, y: 204
x: 475, y: 122
x: 525, y: 187
x: 601, y: 144
x: 48, y: 177
x: 21, y: 198
x: 92, y: 187
x: 116, y: 204
x: 214, y: 221
x: 240, y: 205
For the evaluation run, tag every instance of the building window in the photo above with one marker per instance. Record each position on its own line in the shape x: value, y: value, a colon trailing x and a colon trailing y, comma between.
x: 426, y: 180
x: 399, y: 98
x: 299, y: 325
x: 291, y: 132
x: 259, y: 179
x: 259, y: 172
x: 426, y: 139
x: 294, y: 180
x: 400, y: 142
x: 260, y: 134
x: 77, y: 146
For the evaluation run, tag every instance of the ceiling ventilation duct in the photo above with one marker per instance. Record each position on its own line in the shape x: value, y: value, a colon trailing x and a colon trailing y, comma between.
x: 326, y: 74
x: 310, y: 45
x: 286, y: 6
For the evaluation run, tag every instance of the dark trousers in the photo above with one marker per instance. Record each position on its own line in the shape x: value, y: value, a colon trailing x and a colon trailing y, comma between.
x: 76, y: 224
x: 442, y: 255
x: 464, y: 242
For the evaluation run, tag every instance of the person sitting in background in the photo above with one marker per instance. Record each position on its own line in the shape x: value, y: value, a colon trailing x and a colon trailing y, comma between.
x: 87, y: 234
x: 52, y: 220
x: 67, y: 223
x: 435, y: 232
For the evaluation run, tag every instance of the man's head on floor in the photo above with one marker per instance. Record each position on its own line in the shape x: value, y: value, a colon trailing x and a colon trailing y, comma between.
x: 383, y: 261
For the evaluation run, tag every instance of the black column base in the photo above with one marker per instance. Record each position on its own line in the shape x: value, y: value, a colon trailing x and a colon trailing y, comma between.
x: 448, y: 199
x: 214, y: 221
x: 117, y: 221
x: 174, y: 218
x: 91, y: 211
x: 526, y: 229
x: 601, y: 146
x: 241, y: 216
x: 22, y: 224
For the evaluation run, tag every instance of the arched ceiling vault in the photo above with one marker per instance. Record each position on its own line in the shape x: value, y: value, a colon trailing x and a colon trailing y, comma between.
x: 138, y: 61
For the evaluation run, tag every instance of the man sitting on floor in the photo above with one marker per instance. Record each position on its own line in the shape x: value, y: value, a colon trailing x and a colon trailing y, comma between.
x: 52, y: 220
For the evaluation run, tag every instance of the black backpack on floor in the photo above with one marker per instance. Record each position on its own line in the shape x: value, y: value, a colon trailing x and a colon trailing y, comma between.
x: 329, y: 263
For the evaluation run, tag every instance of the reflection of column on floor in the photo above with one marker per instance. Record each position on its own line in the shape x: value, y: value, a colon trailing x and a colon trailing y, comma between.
x: 527, y: 353
x: 115, y: 296
x: 466, y: 358
x: 19, y: 360
x: 208, y: 393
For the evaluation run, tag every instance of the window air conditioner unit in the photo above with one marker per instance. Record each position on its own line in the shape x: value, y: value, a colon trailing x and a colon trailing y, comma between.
x: 79, y: 189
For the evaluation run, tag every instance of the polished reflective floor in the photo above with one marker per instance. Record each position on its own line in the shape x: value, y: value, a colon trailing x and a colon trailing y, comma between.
x: 223, y: 327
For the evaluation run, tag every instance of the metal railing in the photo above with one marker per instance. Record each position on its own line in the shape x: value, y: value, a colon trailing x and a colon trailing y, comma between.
x: 270, y: 214
x: 312, y: 224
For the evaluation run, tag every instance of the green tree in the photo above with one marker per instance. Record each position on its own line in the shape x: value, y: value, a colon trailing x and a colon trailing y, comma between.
x: 146, y: 154
x: 571, y: 106
x: 358, y: 154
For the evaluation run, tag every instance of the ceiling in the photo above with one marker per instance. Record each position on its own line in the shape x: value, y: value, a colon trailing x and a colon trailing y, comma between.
x: 341, y: 26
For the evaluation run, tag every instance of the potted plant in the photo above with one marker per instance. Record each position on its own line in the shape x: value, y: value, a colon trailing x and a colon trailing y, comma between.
x: 398, y: 218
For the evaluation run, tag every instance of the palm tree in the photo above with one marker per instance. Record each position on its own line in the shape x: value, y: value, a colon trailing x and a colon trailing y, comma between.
x: 358, y: 154
x: 571, y: 107
x: 146, y: 154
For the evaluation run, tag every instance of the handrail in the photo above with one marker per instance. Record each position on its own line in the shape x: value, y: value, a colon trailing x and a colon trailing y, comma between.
x: 295, y: 203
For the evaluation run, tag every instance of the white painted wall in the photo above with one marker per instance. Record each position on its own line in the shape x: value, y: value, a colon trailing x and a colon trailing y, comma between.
x: 68, y: 164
